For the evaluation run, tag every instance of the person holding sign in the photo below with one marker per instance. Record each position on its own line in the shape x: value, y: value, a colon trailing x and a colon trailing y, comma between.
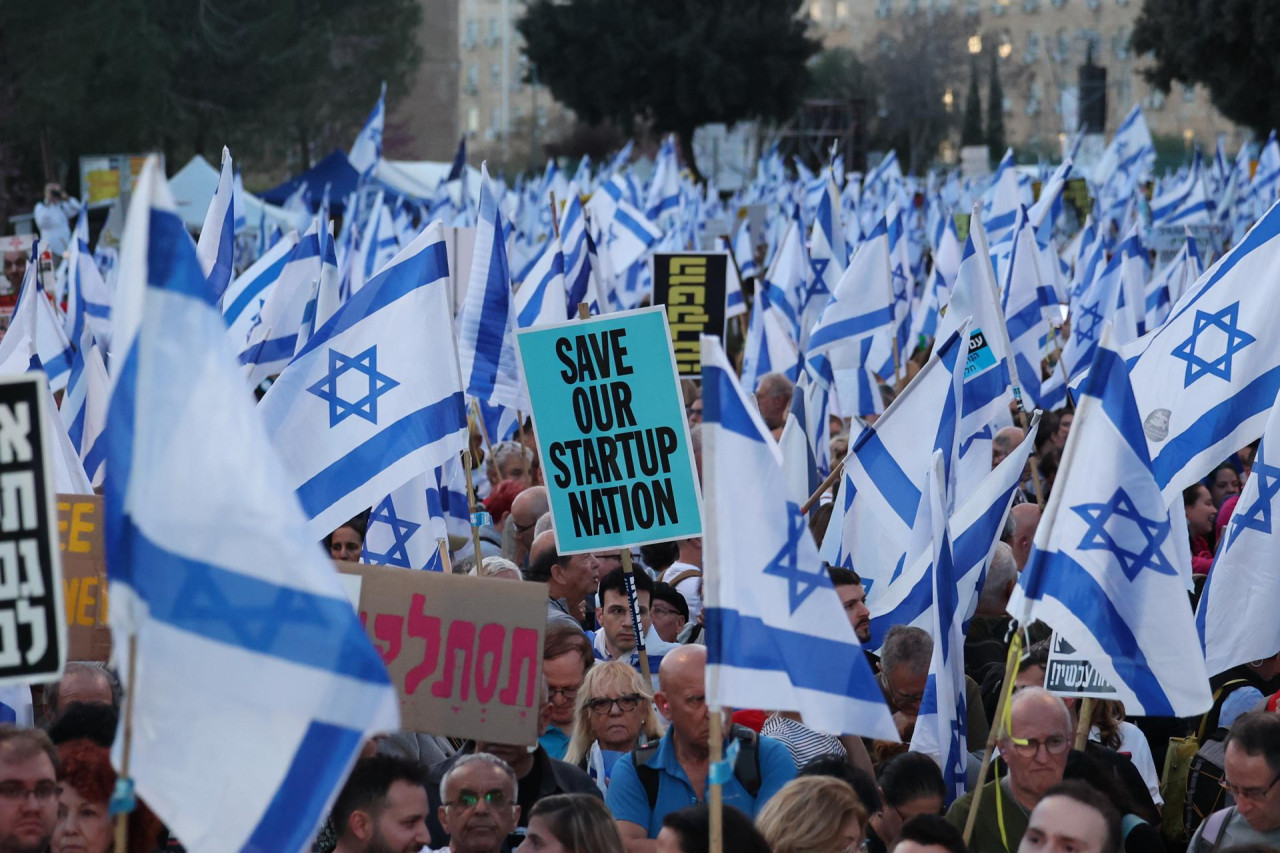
x: 616, y: 639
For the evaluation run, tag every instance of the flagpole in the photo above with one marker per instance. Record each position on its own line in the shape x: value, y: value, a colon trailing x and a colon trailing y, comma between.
x: 1035, y: 457
x: 443, y: 546
x: 122, y: 797
x: 1085, y: 722
x: 714, y: 802
x: 1011, y: 663
x: 824, y: 485
x: 484, y: 433
x: 471, y: 502
x: 1066, y: 380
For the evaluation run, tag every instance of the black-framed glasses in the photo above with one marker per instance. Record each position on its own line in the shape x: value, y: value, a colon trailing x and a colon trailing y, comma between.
x: 1253, y: 795
x: 470, y: 799
x: 1028, y: 747
x: 898, y: 697
x: 664, y: 611
x: 625, y: 704
x: 42, y: 791
x: 568, y: 693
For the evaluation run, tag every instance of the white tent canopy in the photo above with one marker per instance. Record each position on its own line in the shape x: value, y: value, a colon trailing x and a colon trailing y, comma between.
x: 194, y: 185
x: 419, y: 178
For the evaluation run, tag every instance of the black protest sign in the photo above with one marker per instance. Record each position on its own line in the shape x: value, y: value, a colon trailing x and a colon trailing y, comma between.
x: 692, y: 286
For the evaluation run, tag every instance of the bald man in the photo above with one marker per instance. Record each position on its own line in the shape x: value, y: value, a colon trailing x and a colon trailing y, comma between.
x: 773, y: 396
x: 526, y: 509
x: 1025, y: 518
x: 680, y: 761
x: 1003, y: 443
x: 569, y: 579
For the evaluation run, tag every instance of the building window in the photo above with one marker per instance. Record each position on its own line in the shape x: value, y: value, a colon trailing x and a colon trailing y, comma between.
x: 495, y: 74
x: 1188, y: 94
x: 815, y: 10
x: 1120, y: 44
x: 1124, y: 94
x: 1058, y: 4
x: 495, y: 119
x: 1033, y: 48
x: 884, y: 8
x: 1030, y: 6
x: 842, y: 10
x: 473, y: 119
x: 469, y: 34
x: 999, y: 7
x: 1155, y: 99
x: 473, y: 80
x: 913, y: 7
x: 495, y: 32
x: 1061, y: 46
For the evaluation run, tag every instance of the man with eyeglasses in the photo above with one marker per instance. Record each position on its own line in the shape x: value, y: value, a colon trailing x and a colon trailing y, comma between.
x: 478, y: 804
x: 1035, y: 749
x: 28, y: 790
x: 1251, y: 775
x: 904, y: 670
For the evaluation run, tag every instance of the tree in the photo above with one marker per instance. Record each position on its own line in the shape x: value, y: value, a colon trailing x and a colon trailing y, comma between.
x: 915, y: 65
x: 671, y: 64
x: 995, y: 114
x: 1227, y: 45
x: 837, y: 74
x: 971, y: 130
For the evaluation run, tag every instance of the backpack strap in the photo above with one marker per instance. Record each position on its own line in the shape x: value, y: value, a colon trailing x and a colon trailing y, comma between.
x: 648, y: 776
x: 684, y: 576
x: 1215, y: 710
x: 1128, y: 824
x: 1219, y: 828
x: 747, y: 768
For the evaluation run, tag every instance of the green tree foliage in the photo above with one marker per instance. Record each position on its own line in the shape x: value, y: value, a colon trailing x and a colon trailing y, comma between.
x: 837, y: 74
x: 971, y: 130
x: 1227, y: 45
x: 995, y: 114
x: 671, y: 64
x: 104, y: 76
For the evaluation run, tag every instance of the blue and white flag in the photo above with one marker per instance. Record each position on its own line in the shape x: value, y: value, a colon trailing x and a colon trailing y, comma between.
x: 1023, y: 301
x: 942, y: 720
x: 1205, y: 380
x: 217, y: 247
x: 239, y: 620
x: 1107, y: 570
x: 400, y: 533
x: 366, y: 151
x: 1002, y: 199
x: 84, y: 407
x: 542, y: 297
x: 1188, y: 203
x: 272, y: 337
x: 1236, y: 617
x: 663, y: 197
x: 621, y: 231
x: 827, y: 254
x: 378, y: 244
x: 487, y: 322
x: 88, y: 297
x: 777, y: 636
x: 769, y: 347
x: 36, y: 321
x: 355, y: 415
x: 744, y: 252
x: 245, y: 297
x: 1167, y: 286
x: 884, y: 471
x: 734, y: 302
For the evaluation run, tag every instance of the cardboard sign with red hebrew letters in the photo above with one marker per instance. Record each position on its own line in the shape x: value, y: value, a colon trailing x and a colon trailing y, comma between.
x: 464, y: 653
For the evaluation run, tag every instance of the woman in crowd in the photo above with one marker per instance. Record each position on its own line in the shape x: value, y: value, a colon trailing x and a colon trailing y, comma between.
x: 793, y: 823
x: 1201, y: 514
x: 84, y: 823
x: 571, y: 823
x: 910, y: 785
x: 1223, y: 482
x: 613, y: 716
x: 688, y: 830
x: 347, y: 541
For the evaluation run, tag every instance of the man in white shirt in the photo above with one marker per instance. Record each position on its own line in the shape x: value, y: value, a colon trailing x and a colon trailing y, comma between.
x: 53, y: 218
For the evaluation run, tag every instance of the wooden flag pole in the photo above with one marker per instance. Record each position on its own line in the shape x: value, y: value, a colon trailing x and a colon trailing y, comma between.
x: 484, y: 433
x: 836, y: 470
x: 443, y: 545
x: 1035, y: 457
x: 1066, y: 380
x: 715, y: 807
x: 471, y: 502
x: 1011, y: 663
x: 1085, y: 722
x: 124, y: 785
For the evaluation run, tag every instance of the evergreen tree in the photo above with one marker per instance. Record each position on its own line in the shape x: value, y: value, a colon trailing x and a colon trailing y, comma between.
x: 971, y: 131
x: 995, y: 114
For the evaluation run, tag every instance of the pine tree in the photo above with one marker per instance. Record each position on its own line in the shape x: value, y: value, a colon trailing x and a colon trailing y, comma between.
x: 995, y: 114
x: 971, y: 131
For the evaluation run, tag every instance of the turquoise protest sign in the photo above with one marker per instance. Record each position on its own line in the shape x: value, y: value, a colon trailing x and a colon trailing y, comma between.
x: 611, y: 430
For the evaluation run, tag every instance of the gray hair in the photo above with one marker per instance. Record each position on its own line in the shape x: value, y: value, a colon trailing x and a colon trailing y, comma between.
x: 775, y: 385
x: 906, y: 646
x: 543, y: 525
x: 1002, y: 571
x: 86, y: 667
x: 504, y: 450
x: 1027, y: 694
x: 479, y: 758
x: 495, y: 566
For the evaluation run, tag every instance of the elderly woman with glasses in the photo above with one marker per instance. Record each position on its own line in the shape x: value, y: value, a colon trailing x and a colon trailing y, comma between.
x: 613, y: 716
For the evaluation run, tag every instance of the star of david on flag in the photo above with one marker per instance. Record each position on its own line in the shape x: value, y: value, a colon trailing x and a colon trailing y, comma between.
x: 1236, y: 617
x: 1223, y: 339
x: 786, y: 563
x: 1104, y: 571
x: 384, y: 522
x: 366, y: 406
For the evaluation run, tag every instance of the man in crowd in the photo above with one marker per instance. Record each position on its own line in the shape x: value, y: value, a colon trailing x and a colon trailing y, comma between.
x: 685, y: 574
x: 15, y: 250
x: 538, y: 775
x: 509, y: 461
x: 984, y: 644
x: 566, y: 657
x: 1004, y: 442
x: 28, y: 790
x: 86, y: 682
x: 676, y: 771
x: 478, y: 806
x: 1035, y: 749
x: 904, y: 670
x: 1073, y: 816
x: 854, y: 598
x: 773, y: 396
x: 569, y: 579
x: 1251, y: 772
x: 526, y: 509
x: 53, y: 217
x: 382, y: 808
x: 668, y: 611
x: 1023, y: 519
x: 616, y: 639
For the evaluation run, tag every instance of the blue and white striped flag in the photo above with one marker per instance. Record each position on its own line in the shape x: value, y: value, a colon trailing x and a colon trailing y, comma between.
x: 1188, y: 203
x: 88, y: 298
x: 256, y: 685
x: 1205, y: 380
x: 542, y: 296
x: 325, y: 296
x: 36, y: 321
x: 744, y: 252
x: 400, y: 532
x: 943, y: 717
x: 1023, y: 301
x: 273, y: 327
x: 734, y: 302
x: 1002, y: 199
x: 245, y: 297
x: 355, y: 415
x: 777, y: 636
x: 1236, y: 617
x: 217, y: 247
x: 1107, y: 570
x: 486, y: 325
x: 84, y: 407
x: 366, y: 151
x: 1167, y: 286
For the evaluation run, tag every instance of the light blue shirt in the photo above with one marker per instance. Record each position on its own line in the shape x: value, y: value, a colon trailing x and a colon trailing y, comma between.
x: 628, y: 801
x: 555, y: 742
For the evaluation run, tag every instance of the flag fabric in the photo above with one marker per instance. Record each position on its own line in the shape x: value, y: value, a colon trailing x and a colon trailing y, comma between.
x: 37, y: 325
x: 354, y: 415
x: 1205, y: 380
x: 68, y: 473
x: 238, y: 617
x: 1186, y: 204
x: 1167, y: 286
x: 622, y: 231
x: 486, y: 324
x: 217, y: 247
x: 366, y: 151
x: 941, y: 723
x: 1238, y: 605
x: 399, y: 532
x: 88, y: 296
x: 272, y: 338
x: 245, y: 297
x: 542, y: 297
x: 325, y: 297
x: 1106, y: 570
x: 777, y: 636
x: 735, y: 303
x: 84, y: 407
x: 744, y: 252
x: 1023, y: 301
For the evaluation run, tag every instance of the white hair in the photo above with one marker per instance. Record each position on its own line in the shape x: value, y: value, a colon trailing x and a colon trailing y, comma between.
x: 478, y: 758
x: 1002, y: 571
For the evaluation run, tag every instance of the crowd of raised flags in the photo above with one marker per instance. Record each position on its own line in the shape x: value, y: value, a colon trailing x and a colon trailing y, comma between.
x: 1170, y: 367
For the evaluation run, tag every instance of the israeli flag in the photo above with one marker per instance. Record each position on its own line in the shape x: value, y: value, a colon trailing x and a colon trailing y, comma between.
x: 325, y: 292
x: 36, y: 325
x: 1129, y: 156
x: 1167, y: 286
x: 744, y: 252
x: 256, y: 685
x: 884, y: 471
x: 777, y: 636
x: 399, y: 532
x: 734, y: 302
x: 1002, y: 199
x: 245, y: 297
x: 378, y: 244
x: 272, y: 337
x: 1188, y: 203
x: 663, y: 197
x: 88, y: 297
x: 620, y: 230
x: 1023, y: 301
x: 941, y: 723
x: 217, y: 247
x: 827, y: 254
x: 769, y: 347
x: 355, y: 415
x: 84, y: 407
x: 1205, y: 380
x: 542, y: 297
x: 486, y: 325
x: 786, y: 282
x: 366, y: 151
x: 1097, y: 306
x: 580, y: 274
x: 977, y: 524
x: 1236, y: 618
x: 1107, y: 569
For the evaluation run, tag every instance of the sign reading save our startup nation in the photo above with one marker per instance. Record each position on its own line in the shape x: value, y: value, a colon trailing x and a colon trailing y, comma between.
x: 610, y: 424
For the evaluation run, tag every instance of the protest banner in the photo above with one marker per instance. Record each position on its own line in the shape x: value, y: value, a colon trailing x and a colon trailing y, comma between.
x: 1070, y: 674
x: 1167, y: 240
x: 33, y: 636
x: 609, y: 421
x: 693, y: 287
x: 84, y: 576
x: 464, y: 653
